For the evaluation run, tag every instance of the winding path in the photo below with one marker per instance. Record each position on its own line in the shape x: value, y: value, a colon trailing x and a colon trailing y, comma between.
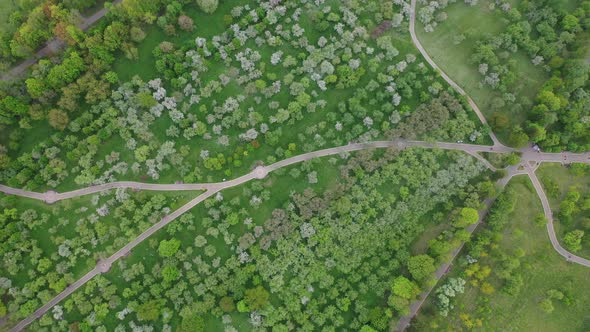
x: 528, y: 156
x: 444, y: 75
x: 549, y: 215
x: 259, y: 173
x: 525, y: 168
x: 53, y: 46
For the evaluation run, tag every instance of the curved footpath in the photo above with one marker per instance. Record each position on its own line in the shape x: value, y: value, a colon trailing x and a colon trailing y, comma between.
x: 528, y: 155
x: 444, y: 75
x: 52, y: 46
x: 549, y: 215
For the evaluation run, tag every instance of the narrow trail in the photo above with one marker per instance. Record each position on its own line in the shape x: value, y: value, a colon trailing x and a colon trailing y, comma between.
x: 404, y: 322
x: 524, y: 168
x: 444, y: 75
x: 528, y: 156
x: 51, y: 47
x: 549, y: 215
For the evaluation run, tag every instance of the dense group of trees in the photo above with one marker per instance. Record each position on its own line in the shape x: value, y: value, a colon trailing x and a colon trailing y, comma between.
x: 335, y: 255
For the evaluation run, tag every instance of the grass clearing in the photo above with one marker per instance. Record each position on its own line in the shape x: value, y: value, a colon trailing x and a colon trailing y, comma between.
x: 476, y: 23
x: 542, y: 269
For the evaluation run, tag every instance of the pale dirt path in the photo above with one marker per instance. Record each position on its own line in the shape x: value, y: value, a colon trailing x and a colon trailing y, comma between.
x: 104, y: 265
x: 53, y: 46
x: 527, y: 155
x: 404, y: 322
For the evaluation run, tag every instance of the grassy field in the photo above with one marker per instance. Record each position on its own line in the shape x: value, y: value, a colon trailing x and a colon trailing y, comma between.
x: 558, y: 180
x: 475, y: 23
x: 542, y: 269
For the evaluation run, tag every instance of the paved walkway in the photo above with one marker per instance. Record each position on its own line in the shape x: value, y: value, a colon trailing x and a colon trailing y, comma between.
x: 550, y: 229
x: 527, y: 155
x: 404, y: 322
x: 52, y: 47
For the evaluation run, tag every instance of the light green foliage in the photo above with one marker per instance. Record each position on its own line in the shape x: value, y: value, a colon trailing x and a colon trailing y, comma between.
x: 208, y: 6
x: 573, y: 240
x: 256, y: 298
x: 467, y: 216
x: 149, y: 311
x: 168, y: 248
x: 421, y: 266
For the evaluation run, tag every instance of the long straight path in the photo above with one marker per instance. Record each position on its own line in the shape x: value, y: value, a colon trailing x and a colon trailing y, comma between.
x: 104, y: 265
x: 52, y: 46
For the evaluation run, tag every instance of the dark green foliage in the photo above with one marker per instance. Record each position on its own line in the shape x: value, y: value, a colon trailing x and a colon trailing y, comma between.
x: 500, y: 212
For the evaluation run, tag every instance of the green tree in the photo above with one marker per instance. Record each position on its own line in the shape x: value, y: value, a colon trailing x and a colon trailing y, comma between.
x: 170, y: 273
x: 404, y: 288
x: 168, y: 248
x: 150, y: 310
x: 58, y: 119
x: 208, y: 6
x: 227, y: 304
x: 421, y: 266
x: 573, y: 240
x: 467, y: 216
x: 546, y: 305
x: 256, y: 298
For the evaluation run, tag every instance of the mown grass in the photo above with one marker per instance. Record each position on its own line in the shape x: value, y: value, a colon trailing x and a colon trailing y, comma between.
x: 475, y: 23
x: 542, y: 269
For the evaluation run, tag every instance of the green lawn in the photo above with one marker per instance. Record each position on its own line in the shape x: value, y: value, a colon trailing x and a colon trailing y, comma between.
x: 475, y: 23
x: 558, y: 181
x: 542, y: 269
